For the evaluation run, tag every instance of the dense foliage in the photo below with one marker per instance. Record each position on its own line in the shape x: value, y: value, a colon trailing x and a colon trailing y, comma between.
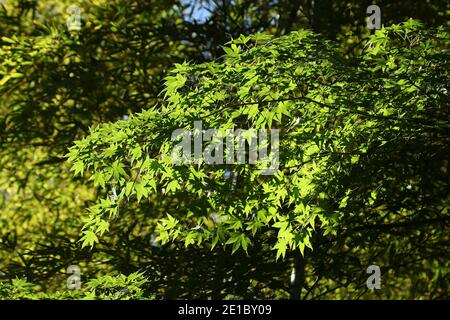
x: 87, y: 175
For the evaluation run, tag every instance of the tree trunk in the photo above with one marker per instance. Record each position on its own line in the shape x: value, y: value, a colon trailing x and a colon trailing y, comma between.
x: 298, y: 280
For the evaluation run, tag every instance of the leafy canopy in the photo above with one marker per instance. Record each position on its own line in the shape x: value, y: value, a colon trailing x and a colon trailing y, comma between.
x: 333, y: 115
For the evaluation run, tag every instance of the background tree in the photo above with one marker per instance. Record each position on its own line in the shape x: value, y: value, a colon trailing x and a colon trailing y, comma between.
x: 56, y: 84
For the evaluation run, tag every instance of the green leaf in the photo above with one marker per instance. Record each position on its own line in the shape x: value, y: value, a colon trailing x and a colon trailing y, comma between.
x: 141, y: 191
x: 89, y: 239
x: 78, y: 167
x: 99, y: 179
